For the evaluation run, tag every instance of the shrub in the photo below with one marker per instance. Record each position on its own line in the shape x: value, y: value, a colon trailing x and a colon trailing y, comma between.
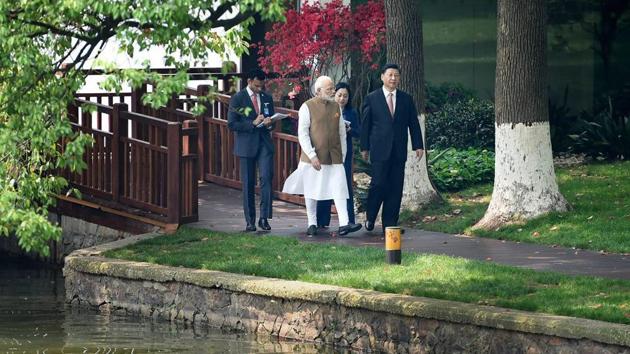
x: 561, y: 122
x: 452, y: 169
x: 604, y: 134
x: 449, y: 92
x: 461, y: 125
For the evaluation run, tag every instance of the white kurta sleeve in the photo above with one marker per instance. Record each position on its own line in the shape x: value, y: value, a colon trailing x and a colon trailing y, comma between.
x: 342, y: 136
x: 304, y: 134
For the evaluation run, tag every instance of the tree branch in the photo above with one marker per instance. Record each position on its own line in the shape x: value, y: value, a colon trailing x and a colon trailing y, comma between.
x: 234, y: 21
x: 219, y: 11
x: 56, y: 30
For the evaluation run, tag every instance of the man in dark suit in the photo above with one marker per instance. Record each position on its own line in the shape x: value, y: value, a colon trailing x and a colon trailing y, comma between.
x: 248, y: 118
x: 388, y: 114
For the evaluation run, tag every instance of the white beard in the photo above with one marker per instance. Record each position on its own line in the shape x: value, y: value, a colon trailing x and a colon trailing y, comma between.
x: 327, y: 98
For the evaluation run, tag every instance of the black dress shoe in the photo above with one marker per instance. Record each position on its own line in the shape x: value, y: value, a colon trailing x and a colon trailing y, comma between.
x: 250, y: 227
x: 263, y: 224
x: 312, y: 230
x: 369, y: 225
x: 344, y: 230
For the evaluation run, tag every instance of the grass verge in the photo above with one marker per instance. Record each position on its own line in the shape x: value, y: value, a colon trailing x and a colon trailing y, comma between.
x: 599, y: 219
x: 434, y: 276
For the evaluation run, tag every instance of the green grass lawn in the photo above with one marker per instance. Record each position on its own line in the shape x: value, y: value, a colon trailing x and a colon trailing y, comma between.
x: 599, y: 220
x: 434, y: 276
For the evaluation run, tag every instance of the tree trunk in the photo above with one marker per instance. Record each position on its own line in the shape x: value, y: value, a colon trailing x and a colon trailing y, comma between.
x: 404, y: 47
x: 524, y: 178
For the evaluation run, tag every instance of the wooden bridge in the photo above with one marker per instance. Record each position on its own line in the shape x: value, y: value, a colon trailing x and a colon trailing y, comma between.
x: 146, y: 164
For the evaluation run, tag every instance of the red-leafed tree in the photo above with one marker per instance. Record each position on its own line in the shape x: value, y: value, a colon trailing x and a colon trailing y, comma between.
x: 320, y: 39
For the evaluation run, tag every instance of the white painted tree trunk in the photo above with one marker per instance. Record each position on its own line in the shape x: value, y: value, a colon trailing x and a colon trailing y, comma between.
x: 525, y: 181
x: 418, y: 189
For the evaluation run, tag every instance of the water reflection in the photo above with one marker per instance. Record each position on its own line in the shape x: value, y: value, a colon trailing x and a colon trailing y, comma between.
x: 34, y: 319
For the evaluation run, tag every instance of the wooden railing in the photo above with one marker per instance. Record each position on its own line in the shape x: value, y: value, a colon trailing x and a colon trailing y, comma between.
x: 218, y: 164
x: 150, y: 160
x: 151, y: 168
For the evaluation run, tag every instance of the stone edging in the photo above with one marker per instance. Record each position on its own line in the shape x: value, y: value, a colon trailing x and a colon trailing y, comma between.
x: 90, y: 261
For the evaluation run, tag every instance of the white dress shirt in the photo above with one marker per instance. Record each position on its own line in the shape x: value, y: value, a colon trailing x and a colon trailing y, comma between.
x: 251, y: 93
x: 386, y: 93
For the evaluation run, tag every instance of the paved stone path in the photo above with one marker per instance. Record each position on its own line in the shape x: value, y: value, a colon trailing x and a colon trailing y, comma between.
x: 220, y: 209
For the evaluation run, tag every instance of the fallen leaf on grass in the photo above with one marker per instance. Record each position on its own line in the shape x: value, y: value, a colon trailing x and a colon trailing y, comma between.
x: 429, y: 218
x: 536, y: 234
x: 590, y: 218
x: 457, y: 211
x: 553, y: 228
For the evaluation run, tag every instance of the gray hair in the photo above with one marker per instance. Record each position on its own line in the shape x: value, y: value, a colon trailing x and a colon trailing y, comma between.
x: 320, y: 82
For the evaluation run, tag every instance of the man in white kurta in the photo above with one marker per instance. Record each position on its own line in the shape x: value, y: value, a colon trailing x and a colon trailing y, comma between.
x: 320, y: 174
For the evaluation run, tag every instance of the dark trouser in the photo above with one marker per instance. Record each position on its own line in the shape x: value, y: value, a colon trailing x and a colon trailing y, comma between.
x: 386, y: 188
x: 323, y: 206
x: 264, y: 159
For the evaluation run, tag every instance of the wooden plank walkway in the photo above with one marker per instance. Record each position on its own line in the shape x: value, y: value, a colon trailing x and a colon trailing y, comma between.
x: 220, y: 209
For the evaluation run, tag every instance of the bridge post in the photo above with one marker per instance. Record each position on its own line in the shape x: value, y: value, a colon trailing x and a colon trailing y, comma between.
x: 119, y: 131
x: 202, y: 132
x: 190, y: 169
x: 174, y: 171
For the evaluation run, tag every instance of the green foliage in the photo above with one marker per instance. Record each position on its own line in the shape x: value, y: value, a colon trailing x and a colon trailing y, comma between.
x: 561, y: 122
x: 437, y: 96
x: 43, y: 46
x: 452, y: 169
x: 603, y: 134
x: 462, y: 124
x: 434, y: 276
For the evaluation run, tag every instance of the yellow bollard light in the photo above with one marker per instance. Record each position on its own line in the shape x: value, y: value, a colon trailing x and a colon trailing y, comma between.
x: 392, y: 244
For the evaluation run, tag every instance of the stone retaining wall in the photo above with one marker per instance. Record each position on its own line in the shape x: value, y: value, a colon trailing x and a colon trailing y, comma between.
x: 360, y: 319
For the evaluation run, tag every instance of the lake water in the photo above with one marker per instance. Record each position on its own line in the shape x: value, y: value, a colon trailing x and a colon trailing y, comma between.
x: 35, y: 319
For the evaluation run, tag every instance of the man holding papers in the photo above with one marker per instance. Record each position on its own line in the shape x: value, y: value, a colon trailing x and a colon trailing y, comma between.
x: 250, y: 119
x: 274, y: 118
